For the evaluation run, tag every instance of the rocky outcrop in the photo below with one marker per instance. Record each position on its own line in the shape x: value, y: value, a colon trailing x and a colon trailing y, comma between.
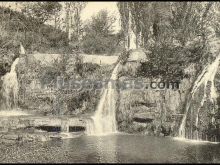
x: 202, y: 109
x: 192, y: 111
x: 151, y: 109
x: 31, y: 128
x: 22, y: 122
x: 146, y: 117
x: 12, y: 138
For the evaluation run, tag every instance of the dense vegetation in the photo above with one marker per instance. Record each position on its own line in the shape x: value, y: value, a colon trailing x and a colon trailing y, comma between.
x: 16, y: 28
x: 176, y: 33
x: 99, y: 36
x: 30, y: 28
x: 169, y: 62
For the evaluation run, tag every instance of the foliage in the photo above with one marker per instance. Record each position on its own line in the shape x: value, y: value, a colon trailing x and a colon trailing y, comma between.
x: 17, y: 27
x: 73, y: 22
x: 166, y: 23
x: 2, y: 70
x: 175, y: 32
x: 123, y: 56
x: 98, y: 44
x: 101, y: 23
x: 89, y: 68
x: 48, y: 75
x: 98, y: 36
x: 169, y: 62
x: 41, y: 11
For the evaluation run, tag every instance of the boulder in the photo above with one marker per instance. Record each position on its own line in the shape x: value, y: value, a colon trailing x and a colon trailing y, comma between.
x: 137, y: 55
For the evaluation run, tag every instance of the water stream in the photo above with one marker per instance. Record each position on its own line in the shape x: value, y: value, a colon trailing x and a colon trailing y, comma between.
x: 206, y: 78
x: 10, y: 89
x: 104, y: 122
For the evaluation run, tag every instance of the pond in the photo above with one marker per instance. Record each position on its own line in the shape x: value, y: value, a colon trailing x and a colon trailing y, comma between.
x: 116, y: 148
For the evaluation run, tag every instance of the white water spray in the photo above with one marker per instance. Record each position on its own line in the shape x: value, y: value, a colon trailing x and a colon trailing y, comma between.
x: 22, y: 50
x: 104, y: 121
x: 207, y: 75
x: 10, y: 86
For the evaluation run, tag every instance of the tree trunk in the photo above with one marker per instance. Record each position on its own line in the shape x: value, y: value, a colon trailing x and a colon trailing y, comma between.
x: 68, y: 21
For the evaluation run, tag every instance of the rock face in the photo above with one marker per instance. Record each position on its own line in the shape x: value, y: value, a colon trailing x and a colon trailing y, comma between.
x: 15, y: 123
x: 12, y: 138
x: 191, y: 111
x: 201, y: 112
x: 202, y: 108
x: 40, y: 88
x: 41, y: 128
x: 151, y: 108
x: 155, y: 108
x: 143, y: 117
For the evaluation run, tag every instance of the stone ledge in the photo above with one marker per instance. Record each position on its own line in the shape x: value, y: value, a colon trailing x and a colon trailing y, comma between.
x: 143, y: 117
x: 32, y: 121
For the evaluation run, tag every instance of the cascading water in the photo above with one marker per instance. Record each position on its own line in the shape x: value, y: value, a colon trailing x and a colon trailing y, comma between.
x: 90, y: 126
x: 206, y: 78
x: 104, y: 122
x: 22, y: 50
x: 10, y: 86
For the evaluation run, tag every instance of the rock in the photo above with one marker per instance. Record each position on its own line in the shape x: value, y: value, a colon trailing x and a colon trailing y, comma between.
x: 137, y: 55
x: 150, y: 105
x: 143, y: 117
x: 10, y: 137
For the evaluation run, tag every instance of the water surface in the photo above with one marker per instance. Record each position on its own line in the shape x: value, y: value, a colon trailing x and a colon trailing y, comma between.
x: 113, y: 149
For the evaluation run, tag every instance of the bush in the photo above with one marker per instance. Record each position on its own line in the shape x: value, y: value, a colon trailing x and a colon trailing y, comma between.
x: 98, y: 44
x: 169, y: 62
x: 34, y: 36
x: 89, y: 68
x: 2, y: 70
x: 123, y: 57
x: 49, y: 74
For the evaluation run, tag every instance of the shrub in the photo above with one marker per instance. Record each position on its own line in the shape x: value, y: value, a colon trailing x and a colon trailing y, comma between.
x: 169, y: 62
x: 48, y: 74
x: 123, y: 57
x: 89, y: 68
x: 98, y: 44
x: 2, y: 70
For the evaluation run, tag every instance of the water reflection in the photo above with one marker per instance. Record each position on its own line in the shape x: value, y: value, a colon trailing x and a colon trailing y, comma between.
x: 113, y: 149
x: 106, y: 149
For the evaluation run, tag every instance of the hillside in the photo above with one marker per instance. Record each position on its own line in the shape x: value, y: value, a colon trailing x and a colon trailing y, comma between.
x: 15, y: 27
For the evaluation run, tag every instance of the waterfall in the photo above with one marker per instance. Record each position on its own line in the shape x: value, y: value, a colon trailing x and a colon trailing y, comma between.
x: 22, y: 50
x: 104, y: 121
x: 10, y: 87
x: 207, y: 75
x: 131, y: 36
x: 90, y: 126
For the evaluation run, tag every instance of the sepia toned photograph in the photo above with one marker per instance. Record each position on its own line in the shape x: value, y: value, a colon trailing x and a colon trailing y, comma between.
x: 109, y: 82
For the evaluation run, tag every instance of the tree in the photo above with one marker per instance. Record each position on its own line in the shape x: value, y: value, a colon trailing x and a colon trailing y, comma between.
x: 99, y: 37
x: 41, y: 11
x: 189, y: 20
x: 165, y: 22
x: 77, y: 23
x: 138, y: 16
x: 102, y: 23
x: 73, y: 21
